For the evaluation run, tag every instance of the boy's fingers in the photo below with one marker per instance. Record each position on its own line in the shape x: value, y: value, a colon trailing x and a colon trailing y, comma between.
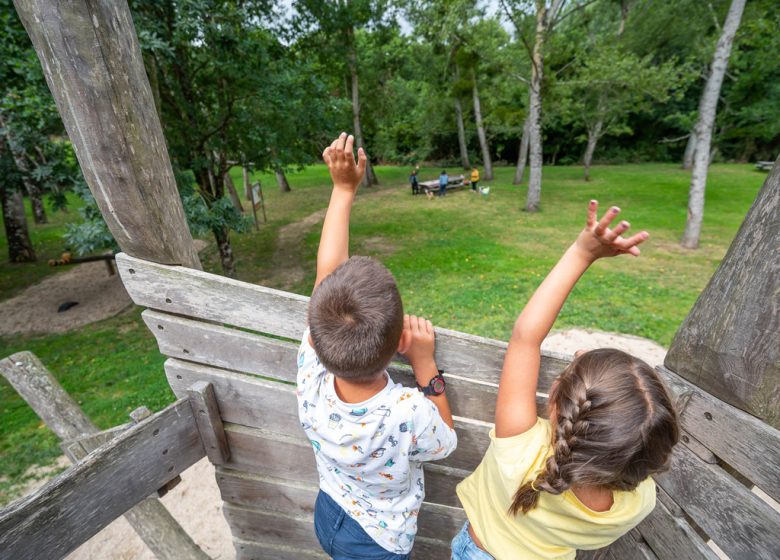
x: 348, y: 146
x: 606, y: 219
x: 593, y: 207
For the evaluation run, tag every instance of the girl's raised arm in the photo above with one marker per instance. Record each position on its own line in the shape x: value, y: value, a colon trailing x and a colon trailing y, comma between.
x: 516, y: 404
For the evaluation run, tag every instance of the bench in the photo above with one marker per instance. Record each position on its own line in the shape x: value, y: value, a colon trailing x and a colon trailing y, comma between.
x: 455, y: 182
x: 764, y: 165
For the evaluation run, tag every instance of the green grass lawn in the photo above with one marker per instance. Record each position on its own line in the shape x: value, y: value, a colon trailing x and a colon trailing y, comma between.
x: 467, y: 262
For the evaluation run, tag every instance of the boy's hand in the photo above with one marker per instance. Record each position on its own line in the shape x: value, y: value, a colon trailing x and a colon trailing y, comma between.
x: 418, y: 339
x: 597, y: 240
x: 346, y: 174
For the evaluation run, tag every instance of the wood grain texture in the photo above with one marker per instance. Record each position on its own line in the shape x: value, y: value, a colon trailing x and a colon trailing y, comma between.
x: 672, y: 538
x: 93, y: 66
x: 54, y: 520
x: 741, y: 440
x: 251, y: 550
x: 206, y: 412
x: 737, y: 520
x: 269, y: 405
x: 197, y: 294
x: 729, y: 344
x: 240, y: 351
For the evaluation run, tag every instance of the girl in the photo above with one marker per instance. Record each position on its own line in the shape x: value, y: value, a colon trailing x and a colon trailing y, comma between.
x: 581, y: 479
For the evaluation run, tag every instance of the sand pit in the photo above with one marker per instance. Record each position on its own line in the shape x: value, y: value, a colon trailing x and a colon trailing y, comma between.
x: 34, y: 311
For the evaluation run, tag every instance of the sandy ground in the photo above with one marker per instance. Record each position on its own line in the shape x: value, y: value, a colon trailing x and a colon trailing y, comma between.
x: 99, y: 296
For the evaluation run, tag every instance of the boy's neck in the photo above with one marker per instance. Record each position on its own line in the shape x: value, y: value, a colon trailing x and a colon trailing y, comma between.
x: 351, y: 392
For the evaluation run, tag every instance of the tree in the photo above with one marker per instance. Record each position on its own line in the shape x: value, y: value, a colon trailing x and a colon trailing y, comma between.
x: 333, y: 25
x: 707, y: 108
x: 20, y: 247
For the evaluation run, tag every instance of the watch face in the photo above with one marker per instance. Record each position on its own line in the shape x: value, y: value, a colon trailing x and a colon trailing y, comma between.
x: 437, y: 384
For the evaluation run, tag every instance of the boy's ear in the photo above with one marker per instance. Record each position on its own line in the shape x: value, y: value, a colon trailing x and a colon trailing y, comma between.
x: 405, y: 342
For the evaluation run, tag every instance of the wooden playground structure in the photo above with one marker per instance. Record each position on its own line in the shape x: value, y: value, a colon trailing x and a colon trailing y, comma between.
x: 231, y: 349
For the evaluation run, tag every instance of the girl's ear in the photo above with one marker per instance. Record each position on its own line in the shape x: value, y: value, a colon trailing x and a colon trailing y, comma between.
x: 406, y: 341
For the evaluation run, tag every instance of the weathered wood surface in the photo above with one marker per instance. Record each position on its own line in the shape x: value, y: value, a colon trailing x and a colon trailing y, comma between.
x: 237, y: 350
x: 78, y: 503
x: 739, y: 522
x: 258, y: 403
x: 93, y: 66
x: 625, y: 548
x: 248, y: 550
x: 741, y: 440
x: 215, y: 298
x: 38, y: 387
x: 729, y: 344
x: 207, y: 417
x: 149, y: 519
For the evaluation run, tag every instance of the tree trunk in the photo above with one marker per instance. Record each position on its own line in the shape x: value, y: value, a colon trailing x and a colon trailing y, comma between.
x: 34, y: 192
x: 483, y: 143
x: 92, y: 62
x: 707, y: 108
x: 728, y: 343
x: 690, y: 149
x: 222, y: 237
x: 20, y: 247
x: 593, y: 137
x: 464, y: 153
x: 522, y: 156
x: 370, y: 177
x: 535, y: 111
x: 231, y: 188
x: 281, y: 180
x: 247, y: 186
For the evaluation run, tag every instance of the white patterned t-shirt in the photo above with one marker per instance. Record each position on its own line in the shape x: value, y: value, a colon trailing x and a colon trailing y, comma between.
x: 370, y: 454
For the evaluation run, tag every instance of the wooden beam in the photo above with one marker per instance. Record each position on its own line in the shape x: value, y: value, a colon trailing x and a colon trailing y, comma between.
x: 206, y: 411
x: 54, y: 520
x: 729, y: 344
x: 92, y: 63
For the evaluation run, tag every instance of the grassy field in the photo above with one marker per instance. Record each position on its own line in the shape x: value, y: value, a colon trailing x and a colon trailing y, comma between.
x: 466, y: 261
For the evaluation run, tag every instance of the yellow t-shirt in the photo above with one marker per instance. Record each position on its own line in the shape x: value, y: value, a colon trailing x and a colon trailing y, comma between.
x: 474, y: 176
x: 558, y: 525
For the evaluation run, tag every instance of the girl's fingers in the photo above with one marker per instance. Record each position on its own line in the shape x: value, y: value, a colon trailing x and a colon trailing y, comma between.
x: 362, y: 160
x: 429, y: 326
x: 625, y: 243
x: 342, y: 140
x: 326, y: 155
x: 407, y: 322
x: 606, y: 219
x: 613, y: 234
x: 593, y: 207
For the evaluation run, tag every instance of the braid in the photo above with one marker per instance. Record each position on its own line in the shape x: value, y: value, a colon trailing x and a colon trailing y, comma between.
x: 571, y: 422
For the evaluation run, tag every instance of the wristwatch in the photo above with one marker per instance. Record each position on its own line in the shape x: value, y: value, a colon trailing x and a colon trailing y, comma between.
x: 435, y: 386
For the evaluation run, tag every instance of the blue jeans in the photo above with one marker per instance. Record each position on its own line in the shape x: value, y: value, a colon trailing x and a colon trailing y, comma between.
x: 442, y: 190
x: 464, y: 547
x: 342, y: 537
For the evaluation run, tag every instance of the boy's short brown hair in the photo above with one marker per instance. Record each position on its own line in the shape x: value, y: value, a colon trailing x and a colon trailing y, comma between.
x: 356, y: 319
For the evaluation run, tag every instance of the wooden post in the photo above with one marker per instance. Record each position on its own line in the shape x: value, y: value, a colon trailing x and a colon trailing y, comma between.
x: 150, y: 519
x: 729, y: 344
x: 93, y: 66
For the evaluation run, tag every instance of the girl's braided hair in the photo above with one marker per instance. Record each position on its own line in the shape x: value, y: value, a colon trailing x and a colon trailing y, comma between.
x: 614, y: 424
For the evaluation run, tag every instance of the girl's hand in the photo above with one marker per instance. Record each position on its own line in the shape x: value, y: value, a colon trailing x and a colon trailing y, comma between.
x: 346, y: 174
x: 417, y: 344
x: 598, y: 240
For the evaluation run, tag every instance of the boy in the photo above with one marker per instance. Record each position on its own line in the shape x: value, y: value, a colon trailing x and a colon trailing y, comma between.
x: 370, y: 435
x: 444, y: 180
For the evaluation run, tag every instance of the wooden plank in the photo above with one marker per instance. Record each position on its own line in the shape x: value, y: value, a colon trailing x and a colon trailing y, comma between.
x: 729, y: 344
x: 264, y: 493
x: 249, y: 550
x: 269, y: 405
x: 93, y: 66
x: 206, y: 411
x: 54, y: 520
x: 739, y: 522
x: 297, y: 531
x: 741, y: 440
x: 290, y: 457
x: 194, y: 293
x: 236, y: 350
x: 672, y: 538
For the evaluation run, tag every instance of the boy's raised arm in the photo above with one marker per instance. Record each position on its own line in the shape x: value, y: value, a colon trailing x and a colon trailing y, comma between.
x: 516, y: 403
x: 347, y: 175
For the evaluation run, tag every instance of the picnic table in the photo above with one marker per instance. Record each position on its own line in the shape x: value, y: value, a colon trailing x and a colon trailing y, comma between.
x: 764, y: 165
x: 455, y: 182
